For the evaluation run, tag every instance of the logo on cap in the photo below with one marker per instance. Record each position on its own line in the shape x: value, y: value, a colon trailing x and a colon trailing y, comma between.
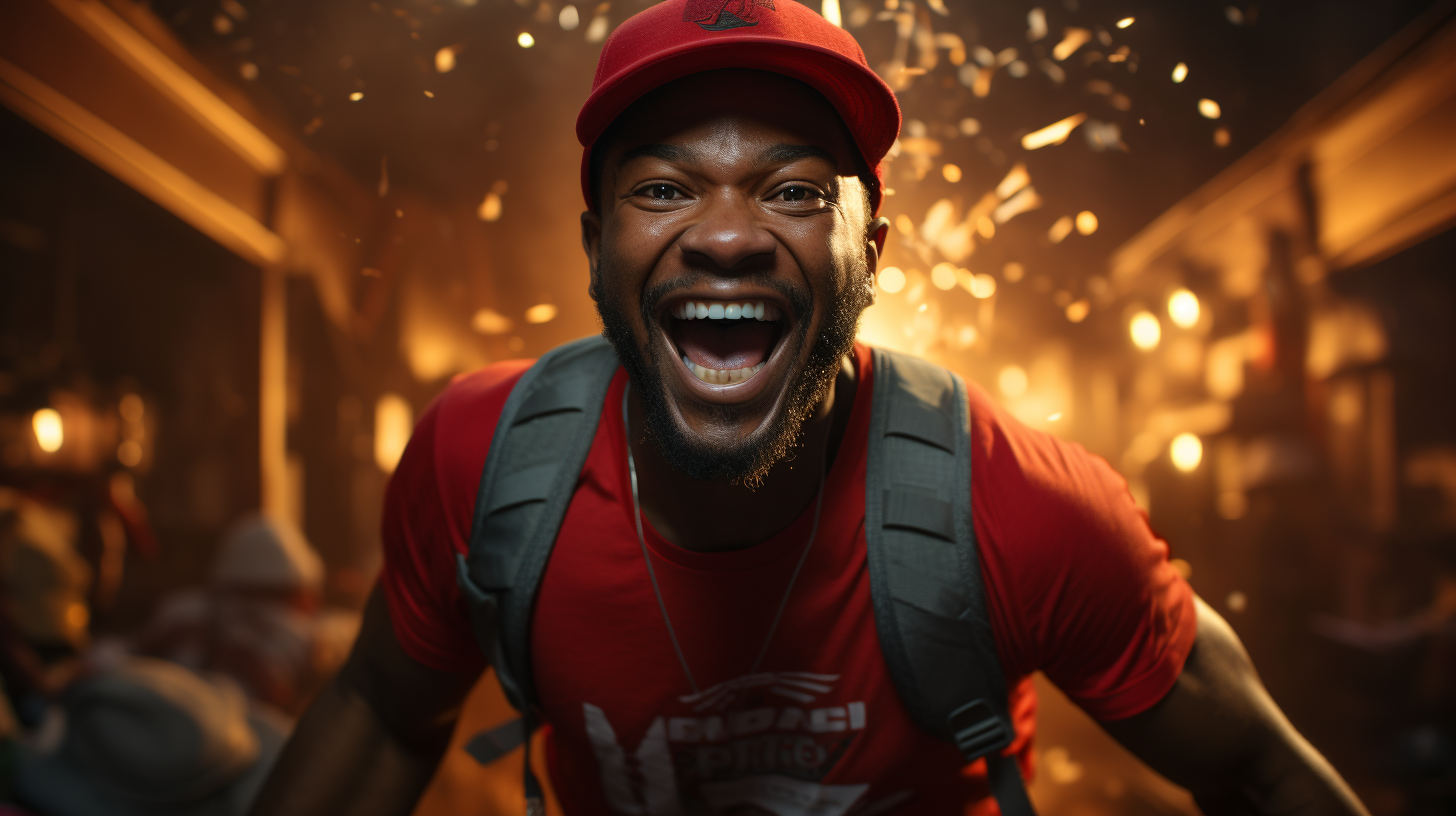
x: 713, y: 15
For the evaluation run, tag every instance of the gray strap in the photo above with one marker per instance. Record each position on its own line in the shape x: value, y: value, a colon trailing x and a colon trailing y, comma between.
x: 490, y: 745
x: 925, y: 574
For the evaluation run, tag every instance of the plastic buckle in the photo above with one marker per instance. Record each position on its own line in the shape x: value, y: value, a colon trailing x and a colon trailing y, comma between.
x: 978, y: 730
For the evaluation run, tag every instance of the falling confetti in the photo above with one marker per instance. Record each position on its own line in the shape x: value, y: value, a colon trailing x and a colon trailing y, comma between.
x: 1072, y: 39
x: 1053, y: 134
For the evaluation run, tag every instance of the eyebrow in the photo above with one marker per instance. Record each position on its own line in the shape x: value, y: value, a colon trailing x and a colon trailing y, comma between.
x: 786, y: 153
x: 666, y: 152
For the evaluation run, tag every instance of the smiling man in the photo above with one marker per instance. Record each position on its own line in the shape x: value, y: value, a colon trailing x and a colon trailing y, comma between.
x: 700, y: 616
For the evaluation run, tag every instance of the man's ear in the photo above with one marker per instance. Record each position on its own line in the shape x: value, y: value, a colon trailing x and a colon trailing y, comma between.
x: 878, y: 231
x: 591, y: 241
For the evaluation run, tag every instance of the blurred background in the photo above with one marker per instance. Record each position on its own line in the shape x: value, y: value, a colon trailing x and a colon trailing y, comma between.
x: 244, y: 243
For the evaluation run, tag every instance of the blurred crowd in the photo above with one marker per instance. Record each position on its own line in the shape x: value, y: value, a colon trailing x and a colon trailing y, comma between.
x: 184, y: 715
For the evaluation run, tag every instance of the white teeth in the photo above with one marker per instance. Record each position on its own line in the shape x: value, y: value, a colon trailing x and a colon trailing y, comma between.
x: 696, y: 310
x: 715, y: 376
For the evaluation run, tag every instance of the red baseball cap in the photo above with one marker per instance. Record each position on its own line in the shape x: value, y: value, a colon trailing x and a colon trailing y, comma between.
x: 680, y: 37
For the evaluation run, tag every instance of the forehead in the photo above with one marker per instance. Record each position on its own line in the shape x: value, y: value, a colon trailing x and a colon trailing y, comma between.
x: 743, y: 102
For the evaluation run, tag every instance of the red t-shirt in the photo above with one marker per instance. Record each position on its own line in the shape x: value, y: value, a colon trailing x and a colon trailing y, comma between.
x: 1076, y: 586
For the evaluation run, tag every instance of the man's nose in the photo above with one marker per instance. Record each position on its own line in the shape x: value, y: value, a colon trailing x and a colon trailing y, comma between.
x: 728, y: 236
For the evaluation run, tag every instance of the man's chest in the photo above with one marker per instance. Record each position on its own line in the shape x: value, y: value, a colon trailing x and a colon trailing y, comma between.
x: 797, y: 717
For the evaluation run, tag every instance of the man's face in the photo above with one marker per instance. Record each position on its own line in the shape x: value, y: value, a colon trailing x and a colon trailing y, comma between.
x: 731, y: 258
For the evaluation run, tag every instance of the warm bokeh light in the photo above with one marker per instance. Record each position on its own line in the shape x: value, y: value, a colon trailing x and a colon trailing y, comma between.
x: 489, y: 321
x: 1056, y: 417
x: 131, y: 408
x: 1013, y: 272
x: 525, y: 40
x: 983, y: 285
x: 1126, y: 21
x: 1078, y: 310
x: 1209, y: 109
x: 951, y: 172
x: 356, y: 96
x: 541, y: 313
x: 393, y: 422
x: 1145, y: 330
x: 891, y: 279
x: 1053, y: 134
x: 1183, y: 308
x: 1186, y: 451
x: 129, y: 453
x: 1061, y: 229
x: 1086, y: 222
x: 943, y: 275
x: 50, y: 433
x: 569, y: 18
x: 1012, y: 381
x: 1222, y: 137
x: 490, y: 208
x: 1180, y: 72
x: 445, y: 59
x: 830, y: 10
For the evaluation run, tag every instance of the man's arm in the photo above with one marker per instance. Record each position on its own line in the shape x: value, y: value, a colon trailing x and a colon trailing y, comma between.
x: 371, y: 740
x: 1219, y: 734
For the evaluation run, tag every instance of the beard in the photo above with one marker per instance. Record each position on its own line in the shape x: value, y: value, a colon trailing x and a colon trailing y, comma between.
x: 748, y: 461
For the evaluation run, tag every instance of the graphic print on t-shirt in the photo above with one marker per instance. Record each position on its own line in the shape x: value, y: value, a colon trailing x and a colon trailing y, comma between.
x: 757, y: 744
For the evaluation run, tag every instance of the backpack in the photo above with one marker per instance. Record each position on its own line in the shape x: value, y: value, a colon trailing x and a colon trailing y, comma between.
x: 925, y: 578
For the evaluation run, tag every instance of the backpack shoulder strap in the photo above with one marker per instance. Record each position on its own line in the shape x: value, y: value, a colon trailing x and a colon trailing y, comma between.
x: 925, y: 575
x: 541, y: 441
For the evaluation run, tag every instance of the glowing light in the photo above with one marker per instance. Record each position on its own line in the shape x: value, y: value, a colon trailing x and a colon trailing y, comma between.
x: 541, y: 313
x: 525, y: 40
x: 129, y: 453
x: 1053, y: 134
x: 50, y: 433
x: 1024, y: 201
x: 490, y: 208
x: 830, y: 10
x: 393, y: 422
x: 131, y: 408
x: 970, y: 127
x: 356, y: 96
x: 1036, y: 25
x: 951, y: 172
x: 1209, y: 109
x: 891, y: 279
x: 597, y: 30
x: 1236, y: 600
x: 1012, y: 381
x: 445, y: 59
x: 1126, y: 21
x: 569, y: 18
x: 248, y: 71
x: 904, y: 224
x: 430, y: 94
x: 983, y: 285
x: 1061, y: 229
x: 1078, y: 311
x: 1072, y: 39
x: 943, y: 275
x: 1186, y: 451
x: 1180, y: 72
x: 1013, y: 272
x: 1016, y: 179
x: 1054, y: 417
x: 1145, y: 330
x: 1222, y: 137
x: 1183, y: 308
x: 1086, y: 222
x: 986, y: 228
x: 489, y: 321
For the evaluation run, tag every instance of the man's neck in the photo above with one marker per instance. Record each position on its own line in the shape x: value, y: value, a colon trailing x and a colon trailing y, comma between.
x: 720, y: 515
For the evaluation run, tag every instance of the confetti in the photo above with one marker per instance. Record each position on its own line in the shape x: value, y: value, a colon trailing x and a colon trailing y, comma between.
x: 1072, y: 39
x: 1053, y: 134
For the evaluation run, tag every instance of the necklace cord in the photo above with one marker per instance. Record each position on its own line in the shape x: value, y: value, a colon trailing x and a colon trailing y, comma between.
x: 652, y: 573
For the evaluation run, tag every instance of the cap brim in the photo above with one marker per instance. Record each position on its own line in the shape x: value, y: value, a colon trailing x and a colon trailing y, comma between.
x: 865, y: 103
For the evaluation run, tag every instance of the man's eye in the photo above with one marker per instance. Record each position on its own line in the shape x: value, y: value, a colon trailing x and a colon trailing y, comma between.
x: 797, y: 193
x: 662, y: 192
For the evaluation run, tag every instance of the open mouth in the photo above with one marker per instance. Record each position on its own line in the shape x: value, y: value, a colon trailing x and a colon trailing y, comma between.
x: 724, y: 342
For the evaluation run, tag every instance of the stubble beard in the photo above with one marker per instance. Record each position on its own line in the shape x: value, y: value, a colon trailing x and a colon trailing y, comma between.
x: 750, y: 460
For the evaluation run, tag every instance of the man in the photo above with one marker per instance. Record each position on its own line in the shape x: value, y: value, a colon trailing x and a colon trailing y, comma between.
x: 716, y: 651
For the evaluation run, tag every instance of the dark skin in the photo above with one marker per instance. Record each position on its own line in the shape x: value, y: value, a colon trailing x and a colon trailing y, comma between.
x: 372, y: 740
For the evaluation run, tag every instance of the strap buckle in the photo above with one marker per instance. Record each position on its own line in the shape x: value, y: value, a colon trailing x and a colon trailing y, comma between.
x: 978, y: 730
